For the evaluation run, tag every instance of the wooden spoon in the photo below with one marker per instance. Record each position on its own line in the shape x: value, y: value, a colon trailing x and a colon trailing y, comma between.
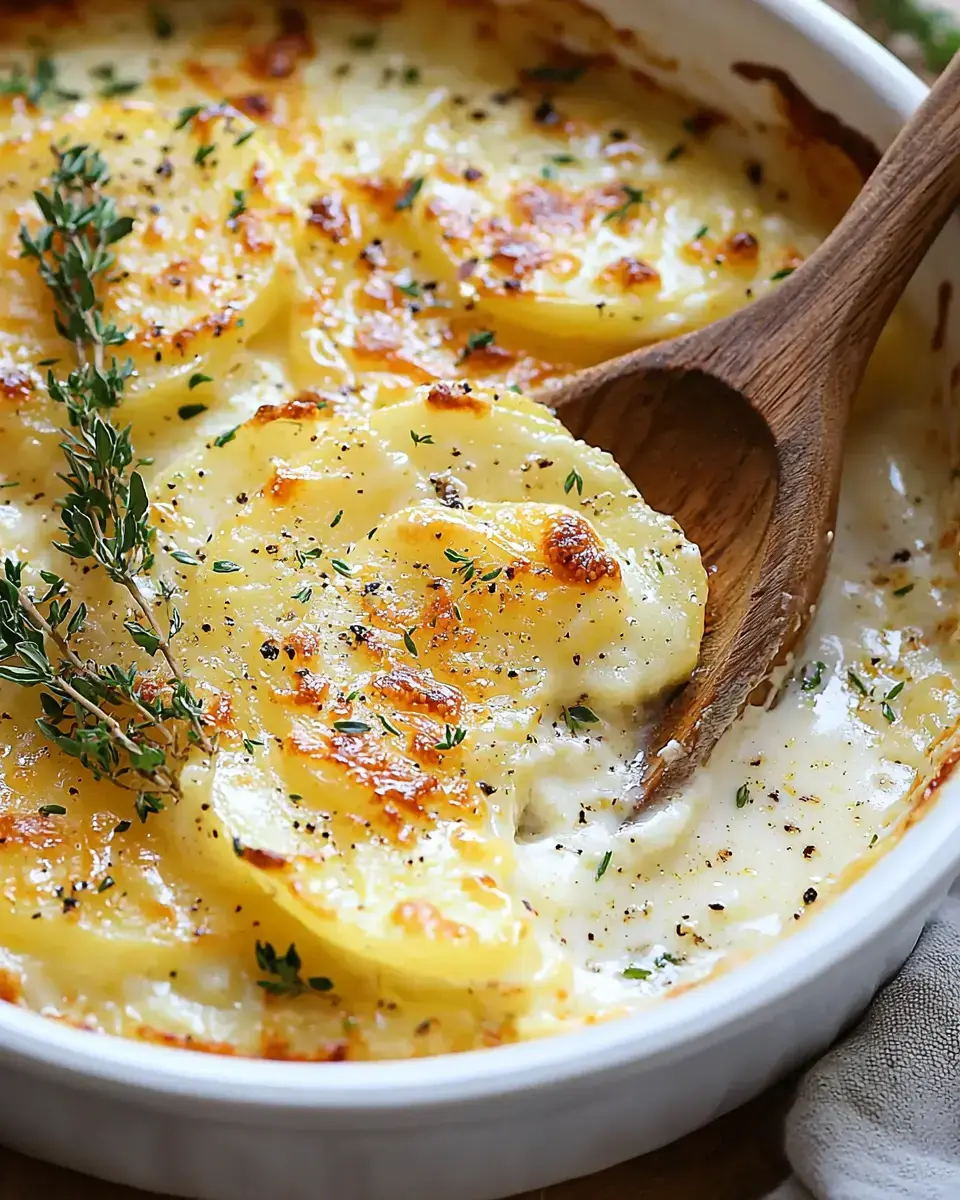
x: 737, y: 430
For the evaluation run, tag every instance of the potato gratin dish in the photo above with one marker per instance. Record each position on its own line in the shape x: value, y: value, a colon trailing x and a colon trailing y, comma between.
x: 324, y: 647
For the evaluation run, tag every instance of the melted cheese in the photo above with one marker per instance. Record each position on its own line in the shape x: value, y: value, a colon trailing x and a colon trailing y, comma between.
x: 189, y: 278
x: 483, y: 614
x: 409, y: 580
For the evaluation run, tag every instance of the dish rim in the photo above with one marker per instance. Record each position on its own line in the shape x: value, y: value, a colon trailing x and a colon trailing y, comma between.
x: 925, y: 859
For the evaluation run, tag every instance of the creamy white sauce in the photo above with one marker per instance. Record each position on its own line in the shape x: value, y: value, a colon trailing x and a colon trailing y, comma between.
x: 828, y: 775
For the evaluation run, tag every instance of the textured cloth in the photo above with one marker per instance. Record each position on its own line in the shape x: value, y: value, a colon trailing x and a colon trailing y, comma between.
x: 878, y: 1117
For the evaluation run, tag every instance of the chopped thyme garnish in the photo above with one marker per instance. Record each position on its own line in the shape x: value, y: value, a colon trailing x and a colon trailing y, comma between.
x: 196, y: 379
x: 250, y: 744
x: 341, y: 567
x: 858, y: 683
x: 885, y: 706
x: 421, y: 439
x: 466, y: 566
x: 51, y: 810
x: 227, y: 436
x: 605, y: 862
x: 636, y: 973
x: 411, y: 289
x: 479, y: 339
x: 364, y: 41
x: 239, y: 207
x: 304, y: 595
x: 905, y: 590
x: 303, y: 556
x: 410, y: 644
x: 573, y: 480
x: 203, y: 153
x: 701, y: 232
x: 41, y: 86
x: 452, y: 737
x: 743, y: 795
x: 388, y: 726
x: 183, y: 557
x: 111, y: 85
x: 186, y: 115
x: 106, y: 883
x: 351, y: 727
x: 579, y: 716
x: 675, y: 151
x: 337, y: 519
x: 242, y: 138
x: 812, y: 676
x: 223, y: 566
x: 782, y: 273
x: 633, y: 196
x: 411, y: 192
x: 186, y: 412
x: 411, y: 74
x: 285, y: 970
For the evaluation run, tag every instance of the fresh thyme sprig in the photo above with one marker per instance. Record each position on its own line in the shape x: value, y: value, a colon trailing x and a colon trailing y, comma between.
x: 935, y: 30
x: 105, y: 716
x: 106, y: 513
x: 99, y: 715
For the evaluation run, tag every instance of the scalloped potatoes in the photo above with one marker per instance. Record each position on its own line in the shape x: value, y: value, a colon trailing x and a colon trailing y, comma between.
x: 381, y: 811
x: 425, y: 623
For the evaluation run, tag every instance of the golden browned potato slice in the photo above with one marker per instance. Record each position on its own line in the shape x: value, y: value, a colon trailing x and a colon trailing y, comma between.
x: 207, y: 261
x: 455, y: 581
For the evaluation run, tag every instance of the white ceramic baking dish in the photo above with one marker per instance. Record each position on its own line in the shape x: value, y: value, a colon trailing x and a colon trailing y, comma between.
x: 490, y: 1123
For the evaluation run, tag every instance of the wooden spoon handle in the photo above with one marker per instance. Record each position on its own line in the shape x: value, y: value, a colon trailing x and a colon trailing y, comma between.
x: 823, y: 322
x: 859, y: 273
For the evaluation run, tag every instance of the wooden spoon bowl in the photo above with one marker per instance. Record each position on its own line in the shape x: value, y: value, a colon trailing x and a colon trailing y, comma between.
x: 737, y: 430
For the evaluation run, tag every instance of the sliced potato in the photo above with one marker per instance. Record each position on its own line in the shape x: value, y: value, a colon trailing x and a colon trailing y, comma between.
x: 202, y: 270
x: 378, y: 668
x: 82, y: 881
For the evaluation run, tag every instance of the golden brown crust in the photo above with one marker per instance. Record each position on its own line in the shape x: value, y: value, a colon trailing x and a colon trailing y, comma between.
x: 307, y: 406
x: 419, y: 690
x: 575, y: 553
x: 264, y: 860
x: 457, y: 397
x: 11, y: 987
x: 280, y: 57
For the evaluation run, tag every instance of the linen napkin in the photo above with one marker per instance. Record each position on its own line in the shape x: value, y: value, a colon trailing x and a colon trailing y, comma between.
x: 878, y: 1118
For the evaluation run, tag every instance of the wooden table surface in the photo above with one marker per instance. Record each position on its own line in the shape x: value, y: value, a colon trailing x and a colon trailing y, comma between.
x: 735, y: 1158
